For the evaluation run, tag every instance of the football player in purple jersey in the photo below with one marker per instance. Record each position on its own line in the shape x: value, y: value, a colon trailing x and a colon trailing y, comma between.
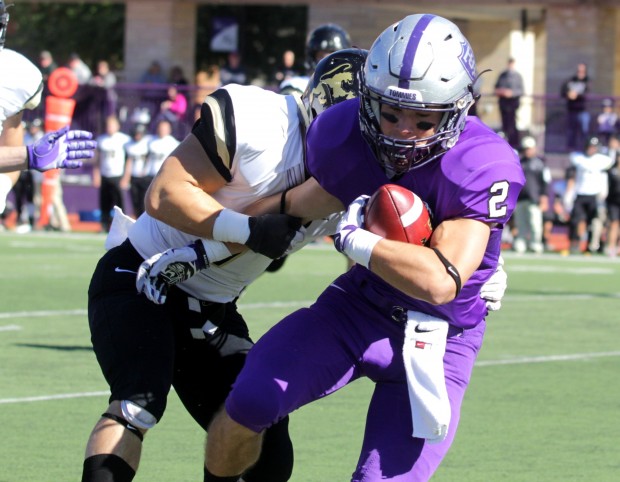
x: 408, y: 317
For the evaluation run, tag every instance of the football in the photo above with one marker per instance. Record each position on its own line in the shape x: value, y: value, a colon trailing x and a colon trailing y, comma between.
x: 396, y: 213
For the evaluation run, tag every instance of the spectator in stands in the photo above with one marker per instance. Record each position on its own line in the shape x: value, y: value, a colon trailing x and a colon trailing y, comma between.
x: 287, y: 69
x: 574, y: 90
x: 160, y: 147
x: 110, y: 175
x: 233, y: 72
x: 590, y: 194
x: 154, y: 88
x: 174, y: 108
x: 46, y: 64
x: 106, y: 79
x: 509, y: 89
x: 153, y: 75
x: 533, y: 199
x: 177, y: 76
x: 137, y: 151
x: 80, y: 69
x: 607, y: 121
x: 613, y: 197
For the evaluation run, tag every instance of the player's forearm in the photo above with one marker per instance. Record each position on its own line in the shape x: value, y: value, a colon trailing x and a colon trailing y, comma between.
x: 13, y: 159
x: 310, y: 201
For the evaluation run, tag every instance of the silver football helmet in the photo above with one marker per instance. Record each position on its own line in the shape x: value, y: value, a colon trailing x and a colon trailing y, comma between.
x: 4, y: 20
x: 424, y: 63
x: 335, y: 79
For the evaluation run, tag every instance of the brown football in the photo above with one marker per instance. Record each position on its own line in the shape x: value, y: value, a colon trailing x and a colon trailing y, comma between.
x: 396, y: 213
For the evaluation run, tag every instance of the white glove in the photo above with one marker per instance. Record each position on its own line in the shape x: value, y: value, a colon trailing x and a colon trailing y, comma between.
x: 495, y: 287
x: 351, y: 239
x: 161, y: 271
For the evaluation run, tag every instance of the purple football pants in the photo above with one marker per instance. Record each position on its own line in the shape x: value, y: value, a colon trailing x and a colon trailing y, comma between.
x: 343, y: 336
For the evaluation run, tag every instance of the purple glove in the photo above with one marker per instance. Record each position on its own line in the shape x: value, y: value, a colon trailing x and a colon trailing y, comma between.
x: 61, y: 149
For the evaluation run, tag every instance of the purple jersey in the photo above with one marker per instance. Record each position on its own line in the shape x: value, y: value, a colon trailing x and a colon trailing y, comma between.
x: 479, y: 178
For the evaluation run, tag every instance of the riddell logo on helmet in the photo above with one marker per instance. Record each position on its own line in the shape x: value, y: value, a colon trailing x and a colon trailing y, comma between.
x: 397, y: 93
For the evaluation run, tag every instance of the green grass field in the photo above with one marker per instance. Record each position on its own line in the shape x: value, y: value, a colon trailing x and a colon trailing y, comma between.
x: 543, y: 405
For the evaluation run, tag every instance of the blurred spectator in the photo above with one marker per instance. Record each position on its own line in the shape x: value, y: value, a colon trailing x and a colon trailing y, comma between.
x: 588, y: 211
x: 103, y: 76
x: 25, y: 189
x: 177, y: 76
x: 287, y: 69
x: 46, y: 64
x: 53, y: 213
x: 110, y: 175
x: 607, y: 121
x: 174, y: 108
x: 533, y: 199
x: 160, y: 147
x: 574, y: 90
x: 137, y: 151
x: 613, y: 197
x: 154, y: 90
x: 233, y: 72
x: 509, y: 89
x: 106, y: 79
x: 153, y: 74
x: 207, y: 81
x: 80, y: 69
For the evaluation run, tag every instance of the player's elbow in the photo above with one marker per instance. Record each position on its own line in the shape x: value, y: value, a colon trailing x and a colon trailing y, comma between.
x: 440, y: 290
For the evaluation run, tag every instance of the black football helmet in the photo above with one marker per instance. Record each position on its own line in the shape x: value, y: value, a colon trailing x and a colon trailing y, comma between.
x: 325, y: 38
x: 335, y: 79
x: 4, y: 21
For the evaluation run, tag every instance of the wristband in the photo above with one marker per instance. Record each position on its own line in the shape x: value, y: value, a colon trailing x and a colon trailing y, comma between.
x: 283, y: 201
x: 362, y: 244
x: 231, y: 226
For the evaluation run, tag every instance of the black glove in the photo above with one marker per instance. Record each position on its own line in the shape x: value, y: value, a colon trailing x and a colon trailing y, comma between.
x: 272, y: 234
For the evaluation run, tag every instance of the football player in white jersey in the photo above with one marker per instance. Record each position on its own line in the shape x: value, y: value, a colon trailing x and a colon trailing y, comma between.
x: 248, y: 144
x: 21, y: 85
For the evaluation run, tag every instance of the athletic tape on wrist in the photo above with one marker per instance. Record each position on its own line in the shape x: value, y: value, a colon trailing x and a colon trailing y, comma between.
x: 231, y: 226
x: 362, y: 244
x: 450, y: 269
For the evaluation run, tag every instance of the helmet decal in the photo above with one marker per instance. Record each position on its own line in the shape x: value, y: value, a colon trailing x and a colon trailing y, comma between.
x: 412, y: 48
x: 468, y: 60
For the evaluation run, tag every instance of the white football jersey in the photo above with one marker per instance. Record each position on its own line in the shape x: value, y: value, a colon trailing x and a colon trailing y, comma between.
x: 21, y: 84
x: 112, y: 154
x: 159, y: 149
x: 137, y: 151
x: 256, y: 142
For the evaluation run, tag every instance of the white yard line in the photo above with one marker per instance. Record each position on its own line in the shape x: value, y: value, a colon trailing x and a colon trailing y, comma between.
x: 483, y: 363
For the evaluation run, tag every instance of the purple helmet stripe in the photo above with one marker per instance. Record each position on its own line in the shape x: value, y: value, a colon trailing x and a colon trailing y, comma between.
x: 411, y: 49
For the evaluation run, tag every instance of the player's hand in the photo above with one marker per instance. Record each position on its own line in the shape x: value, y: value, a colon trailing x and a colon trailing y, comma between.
x: 158, y: 273
x: 61, y: 149
x: 351, y: 238
x: 351, y: 221
x: 493, y: 290
x: 272, y: 234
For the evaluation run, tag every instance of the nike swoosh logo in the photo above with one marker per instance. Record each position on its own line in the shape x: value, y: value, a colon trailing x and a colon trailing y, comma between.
x: 418, y: 330
x: 121, y: 270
